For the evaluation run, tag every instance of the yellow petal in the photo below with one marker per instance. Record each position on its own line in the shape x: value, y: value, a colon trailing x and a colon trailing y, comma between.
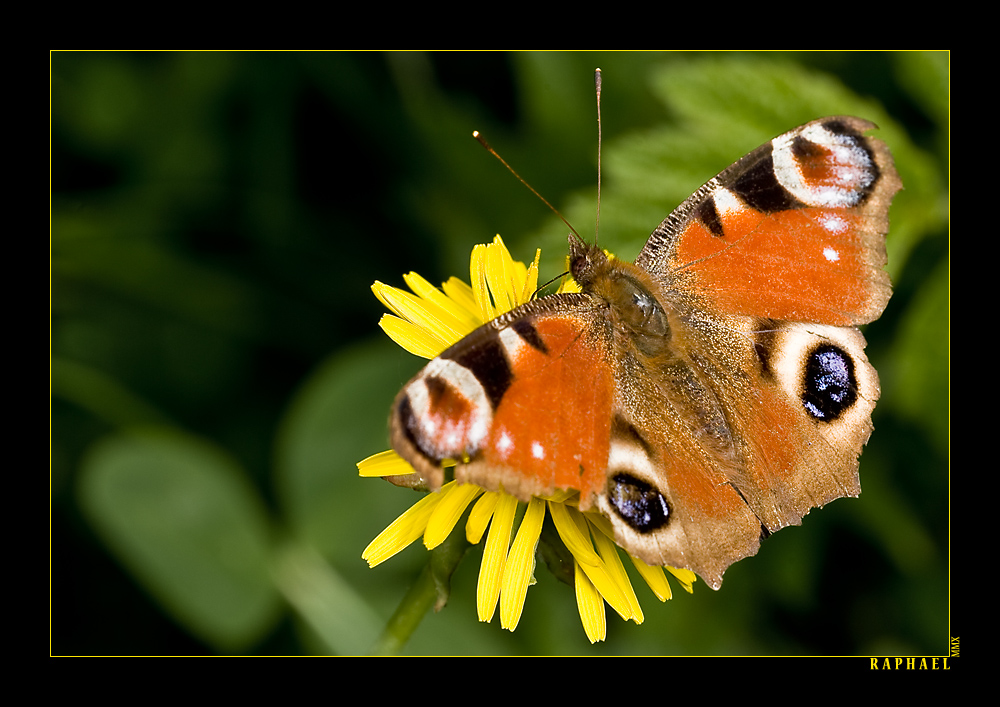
x: 462, y: 295
x: 455, y: 498
x: 518, y: 574
x: 655, y: 578
x: 455, y: 316
x: 500, y: 273
x: 414, y: 338
x: 590, y: 605
x: 419, y: 311
x: 616, y: 572
x: 653, y: 575
x: 687, y: 578
x: 601, y: 522
x: 564, y: 496
x: 598, y: 573
x: 495, y: 555
x: 530, y: 279
x: 480, y: 289
x: 479, y: 517
x: 576, y: 540
x: 402, y: 531
x: 386, y: 463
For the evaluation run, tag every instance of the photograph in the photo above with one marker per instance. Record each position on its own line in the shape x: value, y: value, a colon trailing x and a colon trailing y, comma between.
x: 501, y: 353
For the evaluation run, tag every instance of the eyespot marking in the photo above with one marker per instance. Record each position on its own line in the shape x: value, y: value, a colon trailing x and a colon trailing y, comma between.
x: 829, y: 383
x: 638, y: 503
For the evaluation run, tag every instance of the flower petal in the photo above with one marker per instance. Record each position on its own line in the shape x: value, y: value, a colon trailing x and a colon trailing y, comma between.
x: 518, y: 574
x: 500, y: 275
x: 495, y: 555
x: 616, y: 573
x: 456, y: 317
x: 576, y: 540
x: 402, y: 531
x: 687, y: 578
x: 598, y: 573
x: 655, y: 578
x: 439, y: 322
x: 590, y: 605
x: 530, y: 279
x: 386, y: 463
x: 480, y: 288
x: 479, y: 517
x: 455, y: 499
x: 414, y: 338
x: 564, y: 496
x: 462, y: 295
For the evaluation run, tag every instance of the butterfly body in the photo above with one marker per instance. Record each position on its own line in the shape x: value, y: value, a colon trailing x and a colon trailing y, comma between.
x: 709, y: 394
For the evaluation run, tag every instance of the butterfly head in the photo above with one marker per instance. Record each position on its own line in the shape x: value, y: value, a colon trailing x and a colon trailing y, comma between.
x: 630, y: 293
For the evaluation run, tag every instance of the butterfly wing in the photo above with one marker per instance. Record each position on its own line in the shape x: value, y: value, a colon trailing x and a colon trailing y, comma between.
x: 794, y: 231
x: 523, y: 403
x: 764, y: 270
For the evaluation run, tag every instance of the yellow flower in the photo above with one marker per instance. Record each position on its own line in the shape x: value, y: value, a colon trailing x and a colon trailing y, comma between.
x: 427, y: 322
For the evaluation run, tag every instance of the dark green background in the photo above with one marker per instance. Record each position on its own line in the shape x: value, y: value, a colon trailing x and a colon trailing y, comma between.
x: 217, y: 369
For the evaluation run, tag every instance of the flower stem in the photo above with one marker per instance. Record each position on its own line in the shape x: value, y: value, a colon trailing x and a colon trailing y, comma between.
x: 431, y: 589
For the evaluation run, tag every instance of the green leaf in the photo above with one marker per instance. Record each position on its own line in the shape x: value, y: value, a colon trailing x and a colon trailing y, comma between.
x: 917, y: 384
x: 181, y: 516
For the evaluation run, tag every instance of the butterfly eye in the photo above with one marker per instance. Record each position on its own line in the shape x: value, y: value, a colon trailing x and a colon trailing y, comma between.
x: 585, y: 262
x: 641, y: 314
x: 639, y: 504
x: 644, y: 303
x: 829, y: 382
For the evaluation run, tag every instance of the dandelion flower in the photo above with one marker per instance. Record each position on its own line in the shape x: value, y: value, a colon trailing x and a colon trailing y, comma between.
x: 426, y: 321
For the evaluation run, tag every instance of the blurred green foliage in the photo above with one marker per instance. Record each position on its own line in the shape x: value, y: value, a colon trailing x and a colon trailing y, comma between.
x: 217, y: 219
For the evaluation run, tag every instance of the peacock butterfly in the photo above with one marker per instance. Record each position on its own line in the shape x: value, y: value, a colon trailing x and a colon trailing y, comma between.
x: 703, y: 397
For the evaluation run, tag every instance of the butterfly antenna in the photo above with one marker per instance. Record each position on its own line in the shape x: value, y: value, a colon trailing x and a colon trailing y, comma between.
x: 482, y: 141
x: 542, y: 287
x: 597, y: 87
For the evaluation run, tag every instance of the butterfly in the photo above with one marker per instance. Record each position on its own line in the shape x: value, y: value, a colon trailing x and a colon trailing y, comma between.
x: 706, y: 395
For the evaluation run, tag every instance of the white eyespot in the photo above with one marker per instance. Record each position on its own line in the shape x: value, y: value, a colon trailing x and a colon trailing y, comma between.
x: 504, y: 444
x: 478, y: 430
x: 831, y: 254
x: 834, y: 224
x: 537, y: 450
x: 453, y: 440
